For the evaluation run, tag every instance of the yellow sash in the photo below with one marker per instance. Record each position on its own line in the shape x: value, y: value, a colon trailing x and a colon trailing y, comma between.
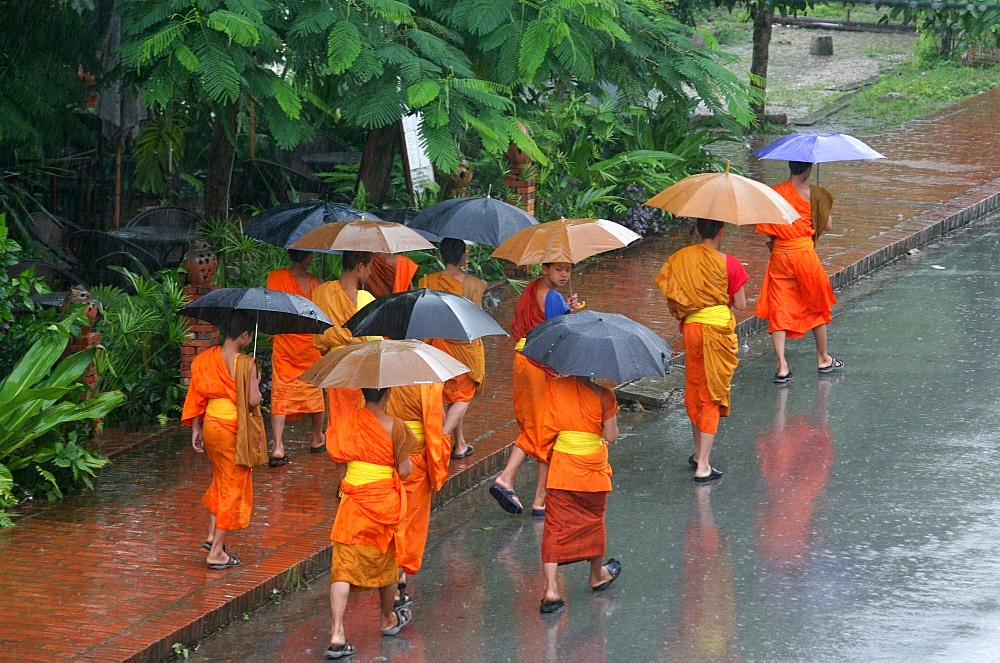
x: 221, y: 408
x: 359, y: 472
x: 577, y: 443
x: 711, y: 315
x: 791, y: 245
x: 519, y: 345
x: 417, y: 428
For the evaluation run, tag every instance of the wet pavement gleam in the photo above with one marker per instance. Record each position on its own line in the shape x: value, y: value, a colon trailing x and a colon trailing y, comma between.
x: 858, y: 518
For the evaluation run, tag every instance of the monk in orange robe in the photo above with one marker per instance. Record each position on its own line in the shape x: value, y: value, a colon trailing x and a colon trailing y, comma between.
x: 460, y: 390
x: 291, y: 356
x: 367, y: 531
x: 340, y: 300
x: 701, y: 285
x: 539, y: 302
x: 580, y: 421
x: 419, y: 406
x: 390, y: 273
x: 210, y: 411
x: 796, y: 295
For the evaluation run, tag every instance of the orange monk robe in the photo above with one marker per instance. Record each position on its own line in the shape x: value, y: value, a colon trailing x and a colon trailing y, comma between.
x: 578, y: 484
x: 463, y: 387
x: 332, y: 300
x: 292, y: 355
x: 529, y: 377
x: 796, y: 295
x: 386, y: 279
x: 367, y: 528
x: 420, y: 404
x: 694, y: 278
x: 230, y: 495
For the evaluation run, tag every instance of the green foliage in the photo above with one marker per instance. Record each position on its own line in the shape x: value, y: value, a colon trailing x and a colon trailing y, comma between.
x: 142, y: 335
x: 596, y: 150
x: 244, y: 262
x: 952, y: 30
x: 40, y: 401
x: 42, y: 93
x: 915, y: 90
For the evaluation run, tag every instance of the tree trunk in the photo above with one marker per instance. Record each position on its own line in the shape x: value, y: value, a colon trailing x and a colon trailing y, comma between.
x: 375, y: 173
x: 762, y: 18
x: 220, y: 165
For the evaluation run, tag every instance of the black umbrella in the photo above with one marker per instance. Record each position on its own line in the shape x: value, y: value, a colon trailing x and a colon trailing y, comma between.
x: 284, y: 224
x: 481, y: 220
x: 604, y: 345
x: 276, y: 312
x: 423, y: 314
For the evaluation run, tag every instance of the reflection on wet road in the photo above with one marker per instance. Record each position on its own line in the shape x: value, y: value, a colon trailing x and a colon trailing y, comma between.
x: 859, y: 517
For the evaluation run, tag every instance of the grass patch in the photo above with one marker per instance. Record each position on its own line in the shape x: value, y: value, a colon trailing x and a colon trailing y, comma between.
x: 840, y: 10
x: 916, y: 90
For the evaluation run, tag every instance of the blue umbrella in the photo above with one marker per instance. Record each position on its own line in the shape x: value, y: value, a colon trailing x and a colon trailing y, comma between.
x: 817, y: 148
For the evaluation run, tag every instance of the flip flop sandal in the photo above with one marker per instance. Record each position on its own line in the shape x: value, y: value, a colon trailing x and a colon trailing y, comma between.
x: 547, y: 608
x: 403, y: 617
x: 614, y: 567
x: 469, y: 450
x: 277, y: 462
x: 835, y: 365
x: 343, y: 651
x: 505, y: 499
x: 230, y: 563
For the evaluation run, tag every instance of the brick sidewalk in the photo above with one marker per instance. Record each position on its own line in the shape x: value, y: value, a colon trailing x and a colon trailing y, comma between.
x: 118, y: 573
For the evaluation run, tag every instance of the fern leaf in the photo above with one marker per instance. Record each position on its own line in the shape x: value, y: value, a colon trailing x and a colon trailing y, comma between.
x: 422, y: 93
x: 534, y: 46
x: 239, y: 29
x: 343, y: 47
x: 287, y: 98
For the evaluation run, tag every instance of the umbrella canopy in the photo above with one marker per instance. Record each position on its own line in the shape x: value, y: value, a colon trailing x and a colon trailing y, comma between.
x: 362, y: 235
x: 725, y: 197
x: 424, y: 314
x: 603, y: 345
x: 277, y: 312
x: 378, y: 364
x: 481, y: 220
x: 565, y: 240
x: 817, y: 148
x: 284, y: 224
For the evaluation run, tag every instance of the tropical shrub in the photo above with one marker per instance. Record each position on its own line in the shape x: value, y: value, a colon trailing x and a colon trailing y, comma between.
x: 141, y: 337
x: 41, y: 401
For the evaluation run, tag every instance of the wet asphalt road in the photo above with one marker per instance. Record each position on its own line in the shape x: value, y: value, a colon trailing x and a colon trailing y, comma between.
x: 858, y: 519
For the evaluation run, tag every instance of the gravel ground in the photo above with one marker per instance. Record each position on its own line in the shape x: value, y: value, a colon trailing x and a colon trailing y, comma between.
x: 799, y: 83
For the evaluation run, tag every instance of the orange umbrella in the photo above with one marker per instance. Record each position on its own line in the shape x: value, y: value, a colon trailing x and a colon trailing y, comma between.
x: 378, y: 364
x: 362, y: 235
x: 565, y: 240
x: 725, y: 197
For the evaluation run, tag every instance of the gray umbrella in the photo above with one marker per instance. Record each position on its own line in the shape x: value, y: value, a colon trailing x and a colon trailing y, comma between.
x: 423, y: 314
x: 275, y: 312
x: 481, y: 220
x: 603, y: 345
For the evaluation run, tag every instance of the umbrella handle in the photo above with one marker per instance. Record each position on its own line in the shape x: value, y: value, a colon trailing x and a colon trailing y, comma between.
x: 256, y: 326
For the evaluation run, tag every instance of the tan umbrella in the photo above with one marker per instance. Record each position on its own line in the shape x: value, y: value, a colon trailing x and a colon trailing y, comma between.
x: 362, y: 235
x: 725, y: 197
x: 378, y: 364
x: 565, y: 240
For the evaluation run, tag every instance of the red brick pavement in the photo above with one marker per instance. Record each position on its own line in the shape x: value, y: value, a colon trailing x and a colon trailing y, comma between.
x: 118, y: 574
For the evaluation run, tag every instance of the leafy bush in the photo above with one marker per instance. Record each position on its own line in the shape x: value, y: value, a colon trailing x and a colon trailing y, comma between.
x: 41, y: 447
x: 141, y: 336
